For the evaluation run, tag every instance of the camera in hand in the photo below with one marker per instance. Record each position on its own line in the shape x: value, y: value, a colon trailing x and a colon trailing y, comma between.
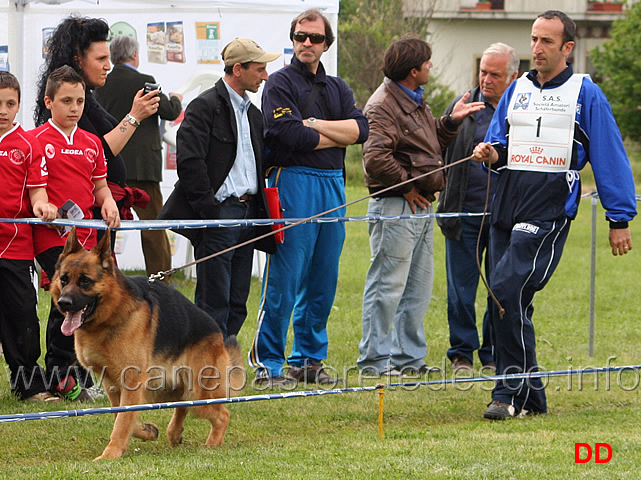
x: 150, y: 87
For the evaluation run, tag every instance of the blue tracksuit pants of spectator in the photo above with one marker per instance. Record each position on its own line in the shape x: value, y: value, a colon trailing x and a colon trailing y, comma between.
x: 301, y: 277
x: 522, y: 262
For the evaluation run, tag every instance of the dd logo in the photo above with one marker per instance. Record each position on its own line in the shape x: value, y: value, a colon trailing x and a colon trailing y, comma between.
x: 588, y: 454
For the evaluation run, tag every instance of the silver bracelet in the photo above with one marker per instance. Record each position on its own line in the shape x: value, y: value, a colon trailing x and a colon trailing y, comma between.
x: 132, y: 120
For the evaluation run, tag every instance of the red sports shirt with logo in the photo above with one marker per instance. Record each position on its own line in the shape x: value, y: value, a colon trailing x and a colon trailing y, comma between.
x: 22, y: 166
x: 74, y: 163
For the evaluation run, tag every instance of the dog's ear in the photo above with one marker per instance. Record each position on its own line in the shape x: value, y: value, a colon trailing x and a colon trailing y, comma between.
x: 72, y: 244
x: 103, y: 250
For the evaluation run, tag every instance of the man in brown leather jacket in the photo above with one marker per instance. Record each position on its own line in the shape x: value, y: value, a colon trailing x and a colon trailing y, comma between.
x: 405, y: 141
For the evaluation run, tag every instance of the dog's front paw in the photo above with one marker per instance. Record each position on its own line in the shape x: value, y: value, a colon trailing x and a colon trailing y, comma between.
x: 174, y: 442
x: 110, y: 453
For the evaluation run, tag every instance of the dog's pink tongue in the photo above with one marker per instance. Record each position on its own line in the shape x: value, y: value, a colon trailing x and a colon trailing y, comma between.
x: 72, y: 322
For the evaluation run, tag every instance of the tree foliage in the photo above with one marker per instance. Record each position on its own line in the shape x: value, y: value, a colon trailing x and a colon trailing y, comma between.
x: 619, y: 65
x: 365, y: 29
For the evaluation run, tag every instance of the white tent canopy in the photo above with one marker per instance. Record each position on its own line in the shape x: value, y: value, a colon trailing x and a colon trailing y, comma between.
x: 24, y: 23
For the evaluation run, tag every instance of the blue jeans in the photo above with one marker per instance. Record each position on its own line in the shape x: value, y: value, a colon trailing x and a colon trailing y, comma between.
x: 222, y: 283
x: 301, y: 277
x: 398, y: 288
x: 462, y: 284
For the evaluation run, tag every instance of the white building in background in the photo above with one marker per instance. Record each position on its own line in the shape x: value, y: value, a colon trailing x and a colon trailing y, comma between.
x: 460, y: 31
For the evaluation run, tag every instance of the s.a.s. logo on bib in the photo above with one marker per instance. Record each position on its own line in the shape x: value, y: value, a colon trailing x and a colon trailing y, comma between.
x: 522, y: 100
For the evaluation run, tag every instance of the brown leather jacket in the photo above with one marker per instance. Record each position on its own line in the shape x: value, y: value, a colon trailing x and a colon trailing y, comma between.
x: 405, y: 140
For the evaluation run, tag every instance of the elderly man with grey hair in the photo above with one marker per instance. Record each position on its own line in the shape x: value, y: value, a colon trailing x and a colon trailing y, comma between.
x: 143, y: 152
x: 466, y: 191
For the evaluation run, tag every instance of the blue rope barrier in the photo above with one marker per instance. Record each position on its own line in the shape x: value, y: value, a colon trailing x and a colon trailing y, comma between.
x: 19, y: 417
x: 596, y: 195
x: 257, y: 222
x: 518, y: 376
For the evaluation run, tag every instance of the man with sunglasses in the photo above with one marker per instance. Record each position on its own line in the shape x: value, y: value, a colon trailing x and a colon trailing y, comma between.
x: 310, y: 118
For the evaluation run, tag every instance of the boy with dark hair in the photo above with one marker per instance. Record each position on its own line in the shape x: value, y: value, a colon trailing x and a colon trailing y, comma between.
x: 23, y: 170
x: 78, y: 172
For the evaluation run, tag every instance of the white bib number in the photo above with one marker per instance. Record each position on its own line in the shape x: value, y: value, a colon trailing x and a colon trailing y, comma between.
x: 542, y: 125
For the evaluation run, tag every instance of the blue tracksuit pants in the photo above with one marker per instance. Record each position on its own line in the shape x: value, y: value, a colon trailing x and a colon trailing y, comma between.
x: 300, y: 278
x: 522, y: 261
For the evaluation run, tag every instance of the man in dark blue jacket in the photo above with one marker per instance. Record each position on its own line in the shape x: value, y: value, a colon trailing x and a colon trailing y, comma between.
x: 220, y: 176
x: 466, y: 191
x: 548, y: 125
x: 310, y: 118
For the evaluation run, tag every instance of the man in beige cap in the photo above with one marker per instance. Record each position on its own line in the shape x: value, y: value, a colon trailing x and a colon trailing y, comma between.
x: 220, y: 176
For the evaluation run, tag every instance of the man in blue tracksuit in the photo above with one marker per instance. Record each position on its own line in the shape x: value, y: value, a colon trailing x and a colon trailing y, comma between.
x: 310, y: 118
x: 557, y: 121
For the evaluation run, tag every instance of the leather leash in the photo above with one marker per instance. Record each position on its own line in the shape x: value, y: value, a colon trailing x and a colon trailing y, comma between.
x: 162, y: 275
x: 478, y: 246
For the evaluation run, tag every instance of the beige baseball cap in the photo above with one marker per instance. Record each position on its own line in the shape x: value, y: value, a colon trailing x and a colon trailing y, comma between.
x: 243, y: 50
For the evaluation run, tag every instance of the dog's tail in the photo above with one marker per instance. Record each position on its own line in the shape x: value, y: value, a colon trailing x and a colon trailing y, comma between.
x: 238, y: 375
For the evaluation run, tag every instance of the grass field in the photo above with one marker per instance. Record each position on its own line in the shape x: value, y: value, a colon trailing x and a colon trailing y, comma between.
x: 429, y: 432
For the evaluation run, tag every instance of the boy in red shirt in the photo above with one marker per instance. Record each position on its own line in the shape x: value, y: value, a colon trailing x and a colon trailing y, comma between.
x: 77, y: 172
x: 23, y: 174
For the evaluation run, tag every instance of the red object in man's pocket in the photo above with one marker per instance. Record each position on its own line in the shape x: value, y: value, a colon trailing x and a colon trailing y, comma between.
x: 275, y: 211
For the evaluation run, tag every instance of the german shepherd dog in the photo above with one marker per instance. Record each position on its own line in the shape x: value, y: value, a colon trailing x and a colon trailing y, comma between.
x: 151, y: 343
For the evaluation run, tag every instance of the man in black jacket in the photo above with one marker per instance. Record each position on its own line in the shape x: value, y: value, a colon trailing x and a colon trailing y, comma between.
x: 219, y: 153
x: 143, y: 153
x: 465, y: 191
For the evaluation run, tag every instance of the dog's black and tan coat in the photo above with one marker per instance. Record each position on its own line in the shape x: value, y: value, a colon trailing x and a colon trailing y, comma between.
x: 152, y: 343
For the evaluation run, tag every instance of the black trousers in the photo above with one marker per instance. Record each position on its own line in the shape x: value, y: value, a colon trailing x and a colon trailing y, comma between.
x: 60, y: 359
x: 19, y: 327
x: 222, y: 283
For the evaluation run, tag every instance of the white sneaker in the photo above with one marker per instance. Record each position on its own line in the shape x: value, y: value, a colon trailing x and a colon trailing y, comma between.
x: 96, y: 392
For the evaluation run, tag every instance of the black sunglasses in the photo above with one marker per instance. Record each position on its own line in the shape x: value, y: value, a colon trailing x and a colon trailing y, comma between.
x: 313, y: 37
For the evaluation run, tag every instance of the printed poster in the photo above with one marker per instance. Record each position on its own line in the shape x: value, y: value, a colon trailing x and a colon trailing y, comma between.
x: 208, y: 40
x: 156, y: 43
x: 123, y: 28
x: 288, y: 53
x: 4, y: 58
x: 175, y: 42
x: 170, y: 158
x: 46, y: 33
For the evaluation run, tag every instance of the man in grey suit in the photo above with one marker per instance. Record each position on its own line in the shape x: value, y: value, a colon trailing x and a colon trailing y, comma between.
x: 143, y: 152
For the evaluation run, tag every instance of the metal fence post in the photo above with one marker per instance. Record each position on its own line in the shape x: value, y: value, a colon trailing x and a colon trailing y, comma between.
x: 592, y: 277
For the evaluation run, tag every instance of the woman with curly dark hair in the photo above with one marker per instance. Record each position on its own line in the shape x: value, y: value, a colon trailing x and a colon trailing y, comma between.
x: 81, y: 43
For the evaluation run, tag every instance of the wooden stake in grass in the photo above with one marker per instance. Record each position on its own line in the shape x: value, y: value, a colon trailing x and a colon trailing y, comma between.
x: 381, y: 391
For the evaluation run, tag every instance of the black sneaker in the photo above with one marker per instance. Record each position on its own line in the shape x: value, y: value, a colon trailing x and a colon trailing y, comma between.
x: 499, y: 411
x: 72, y: 392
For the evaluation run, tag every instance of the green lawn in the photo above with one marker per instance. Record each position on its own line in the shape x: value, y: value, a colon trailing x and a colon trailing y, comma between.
x: 429, y: 432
